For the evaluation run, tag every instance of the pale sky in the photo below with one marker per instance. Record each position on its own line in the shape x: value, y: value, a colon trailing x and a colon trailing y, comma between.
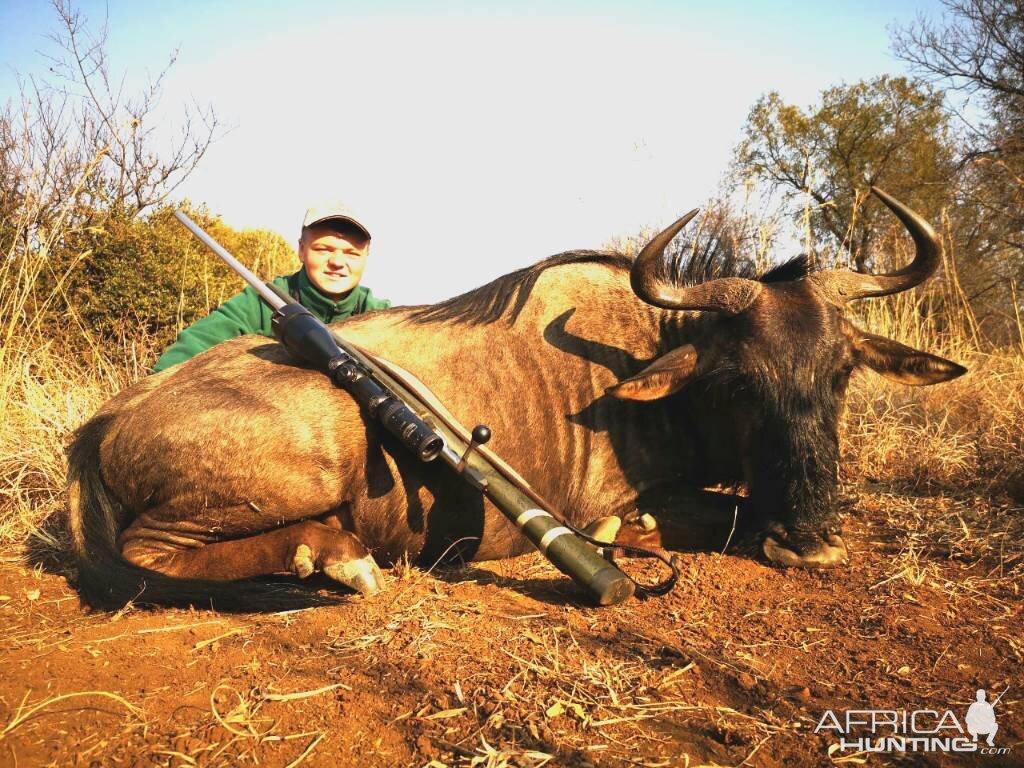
x: 475, y: 137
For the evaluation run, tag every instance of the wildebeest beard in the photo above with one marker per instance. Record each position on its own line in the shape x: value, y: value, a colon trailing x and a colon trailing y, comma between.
x: 794, y: 475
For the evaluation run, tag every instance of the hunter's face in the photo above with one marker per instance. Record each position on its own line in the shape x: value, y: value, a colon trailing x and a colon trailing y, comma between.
x: 334, y: 262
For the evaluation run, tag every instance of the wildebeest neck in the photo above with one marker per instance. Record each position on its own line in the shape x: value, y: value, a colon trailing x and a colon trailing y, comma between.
x: 554, y: 337
x: 506, y: 296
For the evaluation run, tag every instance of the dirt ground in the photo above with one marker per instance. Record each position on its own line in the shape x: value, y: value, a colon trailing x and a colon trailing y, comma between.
x: 501, y: 664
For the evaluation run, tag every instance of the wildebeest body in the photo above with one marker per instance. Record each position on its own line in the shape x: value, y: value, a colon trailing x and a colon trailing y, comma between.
x: 242, y: 440
x: 241, y: 462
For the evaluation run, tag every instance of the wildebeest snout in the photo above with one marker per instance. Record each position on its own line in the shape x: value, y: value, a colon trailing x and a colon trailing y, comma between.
x: 805, y: 549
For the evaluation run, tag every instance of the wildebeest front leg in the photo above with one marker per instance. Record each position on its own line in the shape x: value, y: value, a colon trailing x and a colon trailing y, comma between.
x: 682, y: 518
x: 300, y: 549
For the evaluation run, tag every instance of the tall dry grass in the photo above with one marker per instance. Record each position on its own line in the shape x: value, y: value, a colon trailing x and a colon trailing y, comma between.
x: 45, y: 390
x: 46, y: 394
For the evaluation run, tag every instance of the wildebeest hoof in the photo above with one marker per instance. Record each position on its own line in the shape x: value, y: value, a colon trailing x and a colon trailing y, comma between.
x: 362, y: 575
x: 604, y: 529
x: 302, y: 561
x: 827, y: 552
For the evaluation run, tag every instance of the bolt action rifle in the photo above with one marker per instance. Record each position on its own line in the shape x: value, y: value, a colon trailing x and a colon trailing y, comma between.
x: 410, y: 412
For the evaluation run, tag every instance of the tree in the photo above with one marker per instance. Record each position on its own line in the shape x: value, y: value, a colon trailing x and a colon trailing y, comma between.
x: 978, y: 51
x: 150, y: 276
x: 76, y: 148
x: 887, y: 131
x: 134, y: 173
x: 86, y: 232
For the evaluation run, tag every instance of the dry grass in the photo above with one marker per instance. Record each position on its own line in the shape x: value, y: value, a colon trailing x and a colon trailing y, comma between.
x: 45, y: 395
x: 965, y: 435
x: 942, y: 466
x: 47, y: 388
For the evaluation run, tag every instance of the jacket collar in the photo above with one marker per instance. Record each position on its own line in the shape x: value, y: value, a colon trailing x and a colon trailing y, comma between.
x: 323, y: 305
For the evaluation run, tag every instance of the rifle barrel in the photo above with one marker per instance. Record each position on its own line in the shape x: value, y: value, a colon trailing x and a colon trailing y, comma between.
x: 265, y: 293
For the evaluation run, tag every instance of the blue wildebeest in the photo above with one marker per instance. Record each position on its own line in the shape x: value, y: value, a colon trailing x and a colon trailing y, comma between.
x: 603, y: 379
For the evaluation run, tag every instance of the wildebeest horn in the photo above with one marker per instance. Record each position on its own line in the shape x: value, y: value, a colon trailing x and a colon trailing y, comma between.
x: 843, y: 285
x: 730, y: 295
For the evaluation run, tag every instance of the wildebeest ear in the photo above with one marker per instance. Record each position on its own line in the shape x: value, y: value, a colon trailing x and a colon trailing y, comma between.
x: 904, y: 364
x: 664, y: 376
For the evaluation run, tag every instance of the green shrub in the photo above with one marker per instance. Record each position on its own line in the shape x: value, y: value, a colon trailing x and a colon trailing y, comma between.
x: 150, y: 275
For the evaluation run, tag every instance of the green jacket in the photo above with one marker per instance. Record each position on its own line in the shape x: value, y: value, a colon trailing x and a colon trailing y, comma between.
x: 248, y: 313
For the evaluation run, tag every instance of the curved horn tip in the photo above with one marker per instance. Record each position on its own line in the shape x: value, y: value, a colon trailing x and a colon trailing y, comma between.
x: 654, y: 249
x: 683, y: 220
x: 906, y: 214
x: 845, y: 286
x: 890, y: 202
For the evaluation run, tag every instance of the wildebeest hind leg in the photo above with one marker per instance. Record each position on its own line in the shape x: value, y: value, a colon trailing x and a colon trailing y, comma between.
x: 300, y: 549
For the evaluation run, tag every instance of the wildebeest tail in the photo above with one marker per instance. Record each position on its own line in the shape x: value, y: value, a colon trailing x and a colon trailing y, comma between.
x: 106, y: 580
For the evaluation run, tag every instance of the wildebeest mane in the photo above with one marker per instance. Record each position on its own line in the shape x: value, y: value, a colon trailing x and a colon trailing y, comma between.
x: 796, y: 268
x: 491, y: 302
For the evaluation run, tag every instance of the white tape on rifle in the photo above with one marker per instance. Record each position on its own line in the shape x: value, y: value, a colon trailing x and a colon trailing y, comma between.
x: 526, y: 516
